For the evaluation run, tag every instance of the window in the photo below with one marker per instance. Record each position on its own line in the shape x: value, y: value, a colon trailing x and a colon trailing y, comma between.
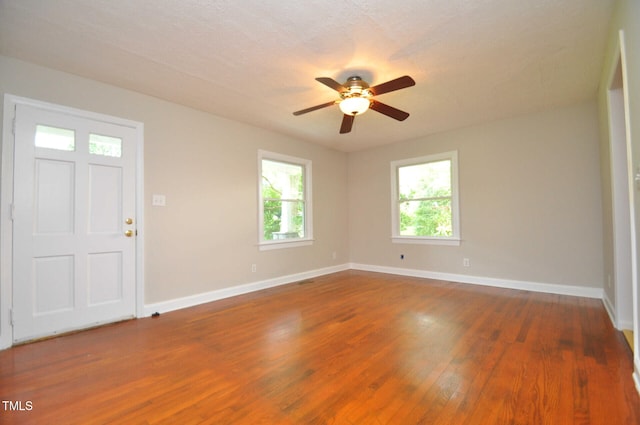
x: 56, y: 138
x: 285, y: 201
x: 105, y: 145
x: 425, y: 200
x: 63, y: 139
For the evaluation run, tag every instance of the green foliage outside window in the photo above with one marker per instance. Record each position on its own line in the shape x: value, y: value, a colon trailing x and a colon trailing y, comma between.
x: 272, y: 212
x: 425, y: 199
x: 283, y: 204
x: 426, y: 218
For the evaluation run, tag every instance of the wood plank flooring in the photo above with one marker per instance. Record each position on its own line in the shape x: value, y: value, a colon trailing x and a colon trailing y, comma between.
x: 348, y: 348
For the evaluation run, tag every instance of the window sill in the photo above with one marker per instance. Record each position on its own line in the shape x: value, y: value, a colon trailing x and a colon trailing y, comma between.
x: 426, y: 241
x: 282, y: 244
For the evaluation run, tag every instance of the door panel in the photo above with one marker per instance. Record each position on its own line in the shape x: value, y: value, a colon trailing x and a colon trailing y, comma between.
x: 54, y: 284
x: 105, y: 203
x: 54, y: 207
x: 74, y: 184
x: 105, y: 278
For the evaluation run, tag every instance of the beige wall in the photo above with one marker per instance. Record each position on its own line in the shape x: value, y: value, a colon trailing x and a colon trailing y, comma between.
x: 530, y: 206
x: 530, y: 194
x: 205, y: 238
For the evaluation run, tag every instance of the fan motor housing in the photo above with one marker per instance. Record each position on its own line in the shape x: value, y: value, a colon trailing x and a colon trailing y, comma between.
x: 355, y: 86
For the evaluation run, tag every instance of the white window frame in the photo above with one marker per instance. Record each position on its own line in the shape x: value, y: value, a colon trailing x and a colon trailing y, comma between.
x: 396, y: 237
x: 264, y: 244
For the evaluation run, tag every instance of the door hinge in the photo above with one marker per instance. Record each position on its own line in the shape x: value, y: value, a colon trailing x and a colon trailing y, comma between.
x: 13, y: 126
x: 11, y: 319
x: 12, y: 211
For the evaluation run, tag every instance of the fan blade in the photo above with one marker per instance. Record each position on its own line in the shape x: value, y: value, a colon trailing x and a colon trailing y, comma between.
x: 331, y: 83
x: 347, y: 123
x: 313, y: 108
x: 389, y: 111
x: 397, y: 84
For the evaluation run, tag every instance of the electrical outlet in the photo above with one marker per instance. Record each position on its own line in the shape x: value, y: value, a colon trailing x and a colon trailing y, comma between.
x: 254, y: 268
x: 466, y: 262
x: 334, y: 255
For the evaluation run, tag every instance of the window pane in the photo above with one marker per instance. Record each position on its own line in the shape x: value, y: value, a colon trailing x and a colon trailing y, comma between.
x: 428, y: 180
x: 60, y: 139
x: 283, y: 219
x: 426, y: 218
x: 105, y: 145
x: 281, y: 180
x: 284, y: 189
x: 425, y: 190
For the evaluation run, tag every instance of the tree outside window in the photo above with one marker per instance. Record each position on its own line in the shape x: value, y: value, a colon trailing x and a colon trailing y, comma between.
x: 425, y: 199
x: 282, y: 196
x: 285, y: 201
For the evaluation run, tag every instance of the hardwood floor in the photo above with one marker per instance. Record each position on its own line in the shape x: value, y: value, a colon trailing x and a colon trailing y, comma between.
x: 348, y: 348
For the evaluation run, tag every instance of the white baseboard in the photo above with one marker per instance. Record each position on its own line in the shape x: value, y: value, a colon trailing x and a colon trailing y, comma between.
x: 608, y: 306
x: 624, y: 325
x: 617, y: 323
x: 549, y: 288
x: 193, y: 300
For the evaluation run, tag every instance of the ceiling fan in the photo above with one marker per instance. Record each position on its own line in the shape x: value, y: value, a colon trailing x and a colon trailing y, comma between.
x: 356, y: 97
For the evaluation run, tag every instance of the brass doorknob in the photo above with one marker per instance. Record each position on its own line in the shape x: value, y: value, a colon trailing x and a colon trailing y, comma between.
x: 128, y: 233
x: 128, y: 221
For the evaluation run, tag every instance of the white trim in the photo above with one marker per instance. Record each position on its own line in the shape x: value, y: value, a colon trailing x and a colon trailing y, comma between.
x: 6, y: 199
x: 622, y: 188
x: 306, y: 164
x: 285, y: 243
x: 413, y: 240
x: 193, y: 300
x: 617, y: 323
x: 632, y: 193
x: 608, y: 306
x: 140, y: 221
x: 550, y: 288
x: 396, y: 237
x: 6, y: 225
x: 621, y: 57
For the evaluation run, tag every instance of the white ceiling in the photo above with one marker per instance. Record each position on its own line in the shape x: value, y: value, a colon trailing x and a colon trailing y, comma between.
x: 255, y: 61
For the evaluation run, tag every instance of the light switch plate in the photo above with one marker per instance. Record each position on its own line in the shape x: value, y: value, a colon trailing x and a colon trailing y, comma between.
x: 159, y: 200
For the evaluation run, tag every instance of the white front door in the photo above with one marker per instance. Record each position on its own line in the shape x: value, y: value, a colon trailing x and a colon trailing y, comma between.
x: 74, y: 228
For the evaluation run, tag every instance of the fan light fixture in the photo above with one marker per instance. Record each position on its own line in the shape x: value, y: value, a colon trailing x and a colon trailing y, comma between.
x: 356, y: 97
x: 354, y: 105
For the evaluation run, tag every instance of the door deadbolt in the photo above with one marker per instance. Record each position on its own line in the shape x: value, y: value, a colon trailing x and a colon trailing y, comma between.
x: 129, y: 221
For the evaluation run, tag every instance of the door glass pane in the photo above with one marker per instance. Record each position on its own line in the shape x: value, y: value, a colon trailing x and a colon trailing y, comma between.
x: 105, y: 145
x: 55, y: 138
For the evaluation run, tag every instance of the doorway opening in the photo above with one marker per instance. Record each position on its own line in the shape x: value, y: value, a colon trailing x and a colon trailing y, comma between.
x: 623, y: 202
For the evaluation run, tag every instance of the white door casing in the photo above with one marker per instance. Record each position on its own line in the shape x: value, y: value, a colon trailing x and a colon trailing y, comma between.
x: 73, y: 266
